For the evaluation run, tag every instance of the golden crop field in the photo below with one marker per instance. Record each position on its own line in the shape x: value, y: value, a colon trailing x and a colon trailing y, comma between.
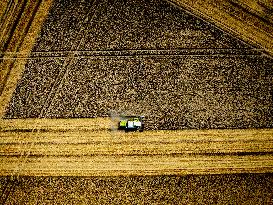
x: 93, y: 147
x: 202, y: 98
x: 200, y: 71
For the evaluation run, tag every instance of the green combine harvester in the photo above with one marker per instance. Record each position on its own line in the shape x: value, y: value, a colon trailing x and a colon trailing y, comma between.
x: 131, y: 123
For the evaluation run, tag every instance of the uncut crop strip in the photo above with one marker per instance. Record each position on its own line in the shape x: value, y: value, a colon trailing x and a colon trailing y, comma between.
x: 142, y: 165
x: 36, y: 124
x: 89, y: 143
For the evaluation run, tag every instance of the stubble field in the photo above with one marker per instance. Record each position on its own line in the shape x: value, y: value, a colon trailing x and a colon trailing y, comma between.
x: 149, y: 58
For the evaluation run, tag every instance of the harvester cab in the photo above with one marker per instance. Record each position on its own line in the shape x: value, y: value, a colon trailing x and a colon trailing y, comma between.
x: 131, y: 123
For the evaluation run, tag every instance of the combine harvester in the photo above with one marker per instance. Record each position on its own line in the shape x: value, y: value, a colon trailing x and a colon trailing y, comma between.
x: 131, y: 123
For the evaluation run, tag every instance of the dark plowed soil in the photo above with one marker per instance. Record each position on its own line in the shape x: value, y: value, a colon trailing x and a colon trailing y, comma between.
x: 143, y: 57
x: 191, y: 189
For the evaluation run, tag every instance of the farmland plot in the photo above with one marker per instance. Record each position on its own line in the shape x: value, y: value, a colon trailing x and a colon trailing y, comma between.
x: 143, y: 57
x: 88, y: 147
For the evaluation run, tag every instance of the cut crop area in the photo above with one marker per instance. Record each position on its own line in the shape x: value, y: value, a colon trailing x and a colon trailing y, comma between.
x: 177, y: 92
x: 146, y: 58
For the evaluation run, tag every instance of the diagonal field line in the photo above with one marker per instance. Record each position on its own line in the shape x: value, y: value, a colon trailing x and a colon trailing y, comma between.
x: 9, y: 9
x: 63, y: 72
x: 23, y: 156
